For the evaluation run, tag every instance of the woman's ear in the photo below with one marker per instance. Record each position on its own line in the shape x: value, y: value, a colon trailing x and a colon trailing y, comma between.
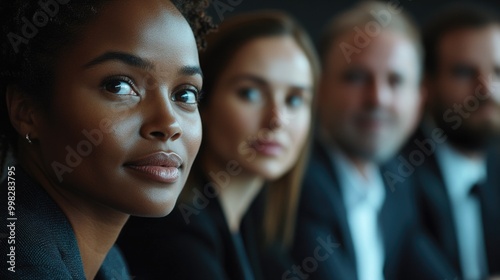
x: 22, y: 112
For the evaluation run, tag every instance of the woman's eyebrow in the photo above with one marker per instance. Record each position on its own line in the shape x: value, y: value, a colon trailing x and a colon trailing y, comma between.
x: 191, y: 71
x: 126, y: 58
x: 138, y: 62
x: 249, y: 77
x: 263, y: 82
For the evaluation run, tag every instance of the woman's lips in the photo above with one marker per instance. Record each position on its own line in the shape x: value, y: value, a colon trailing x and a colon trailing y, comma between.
x: 268, y: 148
x: 161, y: 167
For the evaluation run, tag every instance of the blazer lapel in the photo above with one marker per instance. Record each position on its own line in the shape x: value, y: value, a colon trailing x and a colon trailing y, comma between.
x: 393, y: 218
x: 489, y: 195
x: 327, y: 177
x: 437, y: 215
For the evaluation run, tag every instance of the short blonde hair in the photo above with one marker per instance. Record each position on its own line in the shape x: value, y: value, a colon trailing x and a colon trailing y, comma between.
x: 367, y: 13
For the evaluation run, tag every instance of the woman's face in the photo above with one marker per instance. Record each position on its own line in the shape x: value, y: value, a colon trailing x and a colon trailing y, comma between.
x: 260, y: 108
x: 122, y: 128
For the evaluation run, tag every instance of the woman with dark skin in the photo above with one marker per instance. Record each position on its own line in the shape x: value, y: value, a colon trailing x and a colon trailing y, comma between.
x: 99, y: 108
x: 236, y: 215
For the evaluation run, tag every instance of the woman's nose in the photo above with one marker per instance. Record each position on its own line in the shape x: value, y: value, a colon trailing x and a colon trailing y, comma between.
x: 160, y: 117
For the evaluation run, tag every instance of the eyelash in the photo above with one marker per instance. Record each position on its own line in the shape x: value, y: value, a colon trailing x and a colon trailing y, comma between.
x: 174, y: 96
x: 187, y: 88
x: 119, y: 78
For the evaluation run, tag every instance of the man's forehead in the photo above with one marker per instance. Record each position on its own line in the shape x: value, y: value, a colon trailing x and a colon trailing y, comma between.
x: 387, y: 46
x: 398, y: 56
x: 471, y: 42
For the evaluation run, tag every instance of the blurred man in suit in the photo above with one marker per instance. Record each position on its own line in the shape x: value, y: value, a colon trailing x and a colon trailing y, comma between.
x: 453, y: 154
x: 352, y: 223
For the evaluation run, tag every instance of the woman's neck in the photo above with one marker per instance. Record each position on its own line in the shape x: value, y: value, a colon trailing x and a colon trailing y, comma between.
x: 237, y: 198
x: 95, y: 236
x: 96, y: 227
x: 237, y: 194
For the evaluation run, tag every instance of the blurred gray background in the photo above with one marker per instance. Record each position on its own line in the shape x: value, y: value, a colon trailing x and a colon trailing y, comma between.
x: 314, y: 14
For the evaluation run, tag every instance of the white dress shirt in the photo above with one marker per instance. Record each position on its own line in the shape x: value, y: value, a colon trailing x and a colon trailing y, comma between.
x: 363, y: 198
x: 460, y: 174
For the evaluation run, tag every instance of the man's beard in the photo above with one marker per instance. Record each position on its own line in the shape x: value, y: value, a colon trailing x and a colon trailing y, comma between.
x: 474, y: 138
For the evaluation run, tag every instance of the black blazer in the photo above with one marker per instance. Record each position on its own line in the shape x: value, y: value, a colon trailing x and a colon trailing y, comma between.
x: 436, y: 212
x: 409, y: 254
x: 198, y: 248
x: 45, y: 244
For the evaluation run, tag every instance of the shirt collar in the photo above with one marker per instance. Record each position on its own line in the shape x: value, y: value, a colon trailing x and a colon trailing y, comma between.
x: 355, y: 188
x: 460, y: 173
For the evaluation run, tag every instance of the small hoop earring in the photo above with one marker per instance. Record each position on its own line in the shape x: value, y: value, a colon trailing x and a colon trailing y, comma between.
x: 28, y: 138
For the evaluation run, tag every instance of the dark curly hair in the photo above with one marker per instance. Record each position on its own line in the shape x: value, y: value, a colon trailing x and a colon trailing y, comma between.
x: 28, y: 61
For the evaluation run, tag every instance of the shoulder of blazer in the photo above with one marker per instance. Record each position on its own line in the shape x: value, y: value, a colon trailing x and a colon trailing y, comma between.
x: 45, y: 242
x: 320, y: 190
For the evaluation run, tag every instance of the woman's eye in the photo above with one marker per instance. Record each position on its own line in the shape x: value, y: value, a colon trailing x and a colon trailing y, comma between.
x: 188, y: 96
x: 295, y: 100
x: 250, y: 94
x: 119, y: 87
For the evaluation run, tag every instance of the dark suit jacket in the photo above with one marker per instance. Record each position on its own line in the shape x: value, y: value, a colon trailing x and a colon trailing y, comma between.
x: 322, y: 216
x: 436, y: 211
x: 198, y: 248
x: 45, y: 245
